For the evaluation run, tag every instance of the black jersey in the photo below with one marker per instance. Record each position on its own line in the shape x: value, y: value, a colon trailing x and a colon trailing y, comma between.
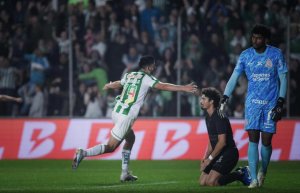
x: 217, y: 125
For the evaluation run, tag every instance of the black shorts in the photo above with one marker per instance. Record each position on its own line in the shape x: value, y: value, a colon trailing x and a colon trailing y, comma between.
x: 225, y: 162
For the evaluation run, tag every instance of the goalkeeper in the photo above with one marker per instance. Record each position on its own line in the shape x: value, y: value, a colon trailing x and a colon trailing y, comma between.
x: 266, y: 71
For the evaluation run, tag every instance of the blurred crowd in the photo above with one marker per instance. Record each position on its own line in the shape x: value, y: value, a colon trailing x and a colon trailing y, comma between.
x: 108, y: 37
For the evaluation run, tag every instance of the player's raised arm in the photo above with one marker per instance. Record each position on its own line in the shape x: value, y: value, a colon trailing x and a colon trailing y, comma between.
x: 190, y: 88
x: 10, y: 98
x: 113, y: 85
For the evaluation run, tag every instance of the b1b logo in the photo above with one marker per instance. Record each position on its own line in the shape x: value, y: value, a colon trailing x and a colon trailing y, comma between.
x: 36, y: 141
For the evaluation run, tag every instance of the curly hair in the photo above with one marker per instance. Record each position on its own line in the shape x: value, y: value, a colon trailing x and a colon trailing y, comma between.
x: 212, y: 94
x: 261, y: 30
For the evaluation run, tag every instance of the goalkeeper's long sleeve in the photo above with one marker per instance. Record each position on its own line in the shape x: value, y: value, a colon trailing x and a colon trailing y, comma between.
x: 283, y: 85
x: 231, y: 83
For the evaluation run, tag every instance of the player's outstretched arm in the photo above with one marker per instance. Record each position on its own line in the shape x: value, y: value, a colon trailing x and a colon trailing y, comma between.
x: 190, y: 88
x: 10, y: 98
x: 113, y: 85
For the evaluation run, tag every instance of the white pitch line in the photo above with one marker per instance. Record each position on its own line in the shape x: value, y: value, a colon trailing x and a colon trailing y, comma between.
x: 126, y: 184
x: 92, y: 187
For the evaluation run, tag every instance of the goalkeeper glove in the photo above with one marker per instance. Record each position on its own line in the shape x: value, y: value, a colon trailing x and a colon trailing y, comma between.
x: 224, y: 100
x: 276, y: 113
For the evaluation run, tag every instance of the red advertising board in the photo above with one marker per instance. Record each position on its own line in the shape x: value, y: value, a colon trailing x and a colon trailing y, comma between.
x: 156, y: 139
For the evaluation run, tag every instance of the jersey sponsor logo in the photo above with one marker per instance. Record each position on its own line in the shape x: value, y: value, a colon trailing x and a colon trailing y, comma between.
x: 134, y: 76
x: 250, y: 63
x: 269, y: 63
x: 260, y: 77
x: 259, y: 63
x: 260, y: 102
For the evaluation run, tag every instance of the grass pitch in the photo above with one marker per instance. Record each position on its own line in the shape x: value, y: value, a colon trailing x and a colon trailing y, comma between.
x: 154, y: 176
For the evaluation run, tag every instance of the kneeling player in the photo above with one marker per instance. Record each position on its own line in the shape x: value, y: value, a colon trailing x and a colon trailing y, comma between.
x: 221, y: 155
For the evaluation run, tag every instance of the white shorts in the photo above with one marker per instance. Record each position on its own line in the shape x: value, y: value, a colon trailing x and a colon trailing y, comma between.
x: 123, y: 124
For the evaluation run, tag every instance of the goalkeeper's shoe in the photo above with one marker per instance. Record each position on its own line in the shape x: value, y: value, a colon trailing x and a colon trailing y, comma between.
x: 246, y: 176
x: 261, y: 178
x: 253, y: 184
x: 127, y: 177
x: 77, y: 158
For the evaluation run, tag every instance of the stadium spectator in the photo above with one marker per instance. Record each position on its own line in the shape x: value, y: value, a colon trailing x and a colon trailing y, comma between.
x: 171, y: 25
x: 114, y: 25
x: 100, y: 45
x: 126, y: 110
x: 8, y: 83
x: 37, y: 108
x: 130, y: 30
x: 110, y: 103
x: 163, y: 41
x: 238, y: 39
x: 222, y: 154
x: 193, y: 54
x: 58, y: 87
x: 131, y: 60
x: 265, y: 67
x: 94, y: 104
x: 168, y: 62
x: 191, y: 26
x: 89, y: 40
x: 116, y: 49
x: 96, y: 71
x: 148, y: 17
x: 38, y: 66
x: 144, y: 44
x: 25, y: 25
x: 213, y: 74
x: 16, y: 55
x: 63, y: 41
x: 80, y: 106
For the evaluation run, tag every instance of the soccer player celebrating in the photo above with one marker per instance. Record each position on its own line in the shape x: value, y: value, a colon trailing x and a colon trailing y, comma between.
x: 135, y: 88
x: 221, y: 155
x: 266, y: 71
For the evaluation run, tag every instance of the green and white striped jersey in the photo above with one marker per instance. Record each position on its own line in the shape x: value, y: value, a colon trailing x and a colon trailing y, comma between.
x: 135, y: 88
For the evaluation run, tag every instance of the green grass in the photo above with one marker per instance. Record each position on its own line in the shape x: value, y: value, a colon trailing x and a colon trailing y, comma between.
x: 154, y: 176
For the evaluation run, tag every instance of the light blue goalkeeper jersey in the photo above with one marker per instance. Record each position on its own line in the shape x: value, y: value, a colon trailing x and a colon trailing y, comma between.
x: 262, y: 71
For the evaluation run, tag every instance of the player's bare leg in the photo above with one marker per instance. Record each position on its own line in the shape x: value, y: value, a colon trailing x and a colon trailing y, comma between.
x: 99, y: 149
x: 213, y: 178
x: 202, y: 179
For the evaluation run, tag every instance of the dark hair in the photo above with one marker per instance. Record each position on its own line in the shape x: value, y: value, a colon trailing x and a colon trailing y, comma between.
x: 146, y: 61
x: 261, y: 30
x: 212, y: 94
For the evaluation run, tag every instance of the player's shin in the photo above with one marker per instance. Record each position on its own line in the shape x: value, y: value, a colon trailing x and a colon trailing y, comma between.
x: 253, y: 159
x: 125, y: 160
x: 266, y: 152
x: 234, y: 176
